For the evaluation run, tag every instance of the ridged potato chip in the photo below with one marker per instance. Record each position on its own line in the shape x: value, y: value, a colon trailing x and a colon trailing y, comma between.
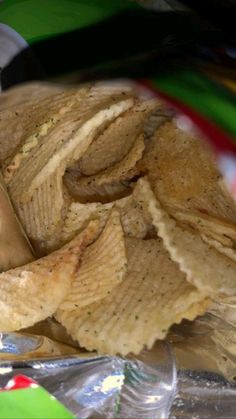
x: 65, y: 141
x: 19, y: 124
x: 36, y: 186
x: 153, y: 295
x: 33, y: 292
x: 116, y: 140
x: 25, y: 92
x: 109, y: 183
x: 26, y: 123
x: 217, y: 233
x: 43, y: 216
x: 209, y: 270
x: 135, y: 220
x: 15, y: 248
x: 78, y: 217
x: 184, y: 175
x: 103, y: 267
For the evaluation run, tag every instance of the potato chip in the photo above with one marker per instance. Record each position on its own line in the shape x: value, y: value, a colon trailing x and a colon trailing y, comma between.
x: 23, y: 122
x: 20, y: 123
x: 67, y: 142
x: 135, y: 220
x: 103, y: 267
x: 33, y: 292
x: 206, y: 268
x: 78, y: 216
x: 221, y: 230
x: 109, y: 183
x: 217, y: 233
x: 43, y: 216
x: 115, y: 142
x: 184, y: 176
x: 31, y: 123
x: 153, y: 295
x: 161, y: 115
x: 40, y: 197
x: 15, y: 248
x: 22, y: 93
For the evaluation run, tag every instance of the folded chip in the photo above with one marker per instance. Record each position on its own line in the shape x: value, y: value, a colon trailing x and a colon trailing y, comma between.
x: 35, y: 183
x: 153, y: 295
x: 86, y: 112
x: 116, y: 140
x: 24, y: 124
x: 77, y: 218
x: 209, y: 270
x: 111, y: 182
x: 135, y: 220
x: 33, y: 292
x: 103, y: 267
x: 216, y: 232
x: 184, y: 176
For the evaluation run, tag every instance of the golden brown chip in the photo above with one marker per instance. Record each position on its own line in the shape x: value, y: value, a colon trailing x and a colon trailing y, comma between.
x: 19, y: 124
x: 221, y: 230
x: 110, y: 182
x: 79, y: 215
x: 161, y: 115
x: 66, y: 141
x: 15, y: 248
x: 206, y: 268
x: 135, y: 219
x: 114, y: 143
x: 184, y: 176
x: 36, y: 186
x: 43, y: 216
x: 33, y: 292
x: 153, y: 295
x: 217, y: 233
x: 33, y: 91
x: 103, y: 267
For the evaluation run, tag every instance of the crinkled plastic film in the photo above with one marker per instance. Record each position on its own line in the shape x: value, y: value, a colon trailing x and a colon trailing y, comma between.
x: 91, y: 385
x: 193, y: 372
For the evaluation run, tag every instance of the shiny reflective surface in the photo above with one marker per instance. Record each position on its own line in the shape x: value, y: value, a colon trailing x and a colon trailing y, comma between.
x: 192, y: 375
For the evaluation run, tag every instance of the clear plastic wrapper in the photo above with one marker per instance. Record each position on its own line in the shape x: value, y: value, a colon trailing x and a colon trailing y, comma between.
x: 192, y: 374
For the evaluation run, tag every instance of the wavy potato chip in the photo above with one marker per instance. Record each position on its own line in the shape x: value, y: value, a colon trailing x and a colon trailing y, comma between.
x: 109, y: 183
x: 217, y: 233
x: 153, y: 295
x: 116, y: 140
x: 43, y: 216
x: 20, y: 123
x: 79, y: 215
x: 33, y: 292
x: 184, y: 176
x: 41, y: 198
x: 103, y: 267
x: 210, y: 271
x: 15, y: 248
x: 30, y: 121
x: 25, y: 92
x: 64, y: 143
x: 135, y: 219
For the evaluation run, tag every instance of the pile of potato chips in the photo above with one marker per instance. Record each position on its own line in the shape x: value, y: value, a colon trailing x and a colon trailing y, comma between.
x: 130, y: 222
